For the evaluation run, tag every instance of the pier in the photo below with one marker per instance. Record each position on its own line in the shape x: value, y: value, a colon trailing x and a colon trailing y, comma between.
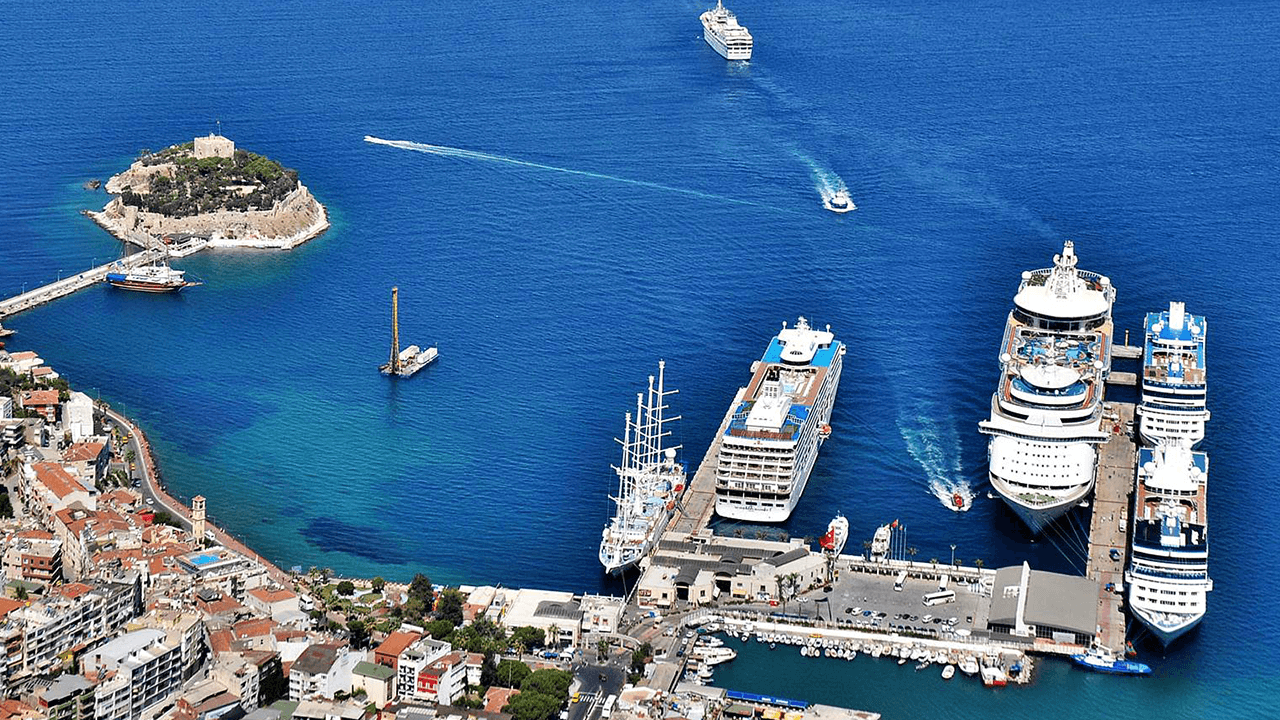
x: 1109, y: 527
x: 699, y: 501
x: 66, y: 286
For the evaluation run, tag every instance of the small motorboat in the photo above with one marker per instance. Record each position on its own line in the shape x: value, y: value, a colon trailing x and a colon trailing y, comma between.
x: 958, y: 500
x: 839, y: 202
x: 948, y: 672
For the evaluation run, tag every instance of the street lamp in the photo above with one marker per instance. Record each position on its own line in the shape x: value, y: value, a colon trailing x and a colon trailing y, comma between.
x: 953, y: 554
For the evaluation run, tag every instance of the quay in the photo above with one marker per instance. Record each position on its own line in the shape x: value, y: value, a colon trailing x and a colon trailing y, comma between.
x: 699, y: 501
x: 68, y: 285
x: 1109, y: 527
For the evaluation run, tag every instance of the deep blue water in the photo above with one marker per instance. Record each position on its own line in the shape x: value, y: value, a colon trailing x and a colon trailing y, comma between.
x: 975, y: 138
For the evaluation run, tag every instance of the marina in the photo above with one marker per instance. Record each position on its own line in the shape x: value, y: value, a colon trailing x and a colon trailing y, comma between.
x: 74, y: 283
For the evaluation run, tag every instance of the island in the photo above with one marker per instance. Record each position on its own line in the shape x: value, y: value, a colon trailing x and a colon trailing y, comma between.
x: 208, y: 193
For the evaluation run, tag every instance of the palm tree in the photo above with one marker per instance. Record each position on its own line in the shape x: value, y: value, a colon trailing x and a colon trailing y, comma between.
x: 602, y: 649
x: 778, y: 580
x: 978, y: 563
x: 912, y: 552
x: 866, y: 549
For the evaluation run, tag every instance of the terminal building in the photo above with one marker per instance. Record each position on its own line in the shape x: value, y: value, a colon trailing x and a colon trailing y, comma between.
x: 700, y: 568
x: 1027, y: 605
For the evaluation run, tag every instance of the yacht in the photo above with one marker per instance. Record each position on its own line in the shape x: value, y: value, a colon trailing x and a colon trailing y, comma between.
x: 722, y: 32
x: 1173, y: 377
x: 650, y: 481
x: 1046, y: 413
x: 840, y: 202
x: 1168, y: 576
x: 836, y: 536
x: 773, y: 436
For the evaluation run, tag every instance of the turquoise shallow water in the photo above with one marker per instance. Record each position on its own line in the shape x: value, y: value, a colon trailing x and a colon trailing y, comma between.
x: 974, y: 139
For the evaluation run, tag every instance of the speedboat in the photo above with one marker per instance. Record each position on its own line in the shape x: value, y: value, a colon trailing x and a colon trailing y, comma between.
x: 839, y: 202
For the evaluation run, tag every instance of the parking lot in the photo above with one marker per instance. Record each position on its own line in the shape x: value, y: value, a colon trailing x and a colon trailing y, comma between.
x: 869, y: 601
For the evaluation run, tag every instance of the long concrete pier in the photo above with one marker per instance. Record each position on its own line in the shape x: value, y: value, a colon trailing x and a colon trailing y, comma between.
x: 68, y: 285
x: 699, y: 500
x: 1109, y: 528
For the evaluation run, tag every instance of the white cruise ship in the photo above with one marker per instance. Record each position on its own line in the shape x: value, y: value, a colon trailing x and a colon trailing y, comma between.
x: 1174, y: 390
x: 650, y: 481
x: 1168, y: 575
x: 1046, y: 413
x: 722, y: 32
x: 768, y: 449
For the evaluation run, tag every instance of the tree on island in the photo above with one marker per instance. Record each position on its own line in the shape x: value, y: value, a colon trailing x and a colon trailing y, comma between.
x: 358, y: 632
x: 346, y: 588
x: 450, y: 607
x: 377, y: 584
x: 511, y: 673
x: 528, y: 637
x: 532, y: 706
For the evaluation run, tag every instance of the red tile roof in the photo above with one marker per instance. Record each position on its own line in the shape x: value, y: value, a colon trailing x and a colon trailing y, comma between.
x: 272, y: 596
x: 59, y: 481
x: 83, y: 451
x: 498, y: 697
x: 39, y: 398
x: 396, y: 643
x: 7, y: 606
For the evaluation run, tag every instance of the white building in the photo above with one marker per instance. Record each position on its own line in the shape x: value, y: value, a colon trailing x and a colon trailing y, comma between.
x: 136, y: 672
x: 77, y: 416
x: 213, y: 146
x: 322, y: 670
x: 558, y: 614
x: 413, y: 661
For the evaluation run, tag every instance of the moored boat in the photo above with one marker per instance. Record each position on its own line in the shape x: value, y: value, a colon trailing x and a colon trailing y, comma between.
x: 1099, y: 660
x: 155, y: 278
x: 837, y: 535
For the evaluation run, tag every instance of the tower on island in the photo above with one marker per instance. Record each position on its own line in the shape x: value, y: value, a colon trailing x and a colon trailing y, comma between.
x: 197, y: 517
x: 213, y: 146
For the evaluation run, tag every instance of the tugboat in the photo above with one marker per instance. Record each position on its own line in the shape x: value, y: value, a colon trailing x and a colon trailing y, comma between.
x: 1100, y: 660
x: 840, y: 202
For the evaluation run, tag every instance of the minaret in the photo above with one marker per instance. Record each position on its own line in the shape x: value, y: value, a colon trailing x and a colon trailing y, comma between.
x: 197, y: 517
x: 395, y: 331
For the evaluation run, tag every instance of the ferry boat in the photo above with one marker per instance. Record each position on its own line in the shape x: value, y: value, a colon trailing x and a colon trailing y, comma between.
x: 840, y: 202
x: 1099, y: 660
x: 650, y: 481
x: 722, y: 32
x: 837, y: 535
x: 154, y: 278
x: 1174, y: 390
x: 1168, y: 575
x: 773, y: 437
x: 1046, y: 413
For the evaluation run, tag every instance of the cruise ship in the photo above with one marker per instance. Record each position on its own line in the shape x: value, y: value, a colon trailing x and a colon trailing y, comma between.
x: 1174, y: 391
x: 650, y: 481
x: 1046, y: 413
x: 722, y: 32
x: 1168, y: 575
x: 784, y: 415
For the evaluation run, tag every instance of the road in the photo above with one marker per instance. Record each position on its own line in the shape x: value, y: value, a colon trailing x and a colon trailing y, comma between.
x: 142, y: 472
x: 595, y: 683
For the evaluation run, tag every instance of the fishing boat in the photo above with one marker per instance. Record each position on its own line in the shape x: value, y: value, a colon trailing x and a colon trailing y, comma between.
x: 155, y: 278
x: 1099, y: 660
x: 406, y: 362
x: 837, y: 535
x: 839, y: 202
x: 994, y: 677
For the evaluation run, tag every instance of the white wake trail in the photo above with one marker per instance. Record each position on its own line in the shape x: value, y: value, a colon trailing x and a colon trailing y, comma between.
x: 943, y: 475
x: 446, y: 151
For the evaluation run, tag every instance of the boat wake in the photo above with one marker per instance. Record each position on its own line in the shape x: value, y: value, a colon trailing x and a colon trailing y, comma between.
x: 825, y: 181
x: 937, y: 450
x: 446, y: 151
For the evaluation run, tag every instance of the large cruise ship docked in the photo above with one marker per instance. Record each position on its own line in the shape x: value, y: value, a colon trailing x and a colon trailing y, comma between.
x: 649, y: 481
x: 768, y: 449
x: 722, y: 32
x: 1174, y: 391
x: 1168, y: 575
x: 1046, y: 413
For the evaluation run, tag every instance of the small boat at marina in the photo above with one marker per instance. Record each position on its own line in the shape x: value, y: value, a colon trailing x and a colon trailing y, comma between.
x: 948, y: 672
x: 969, y: 666
x: 154, y: 278
x: 837, y: 535
x: 994, y: 677
x: 839, y: 202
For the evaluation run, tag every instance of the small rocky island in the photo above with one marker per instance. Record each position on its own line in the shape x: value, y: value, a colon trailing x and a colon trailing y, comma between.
x: 206, y: 193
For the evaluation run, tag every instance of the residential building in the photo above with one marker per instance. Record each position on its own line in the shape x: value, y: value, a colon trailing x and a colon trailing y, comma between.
x: 47, y: 488
x: 389, y: 651
x: 278, y: 604
x: 73, y: 615
x: 378, y: 682
x: 322, y: 670
x: 443, y: 680
x: 558, y: 614
x: 135, y: 673
x: 34, y: 556
x: 42, y: 402
x: 415, y: 659
x: 68, y: 697
x: 77, y: 415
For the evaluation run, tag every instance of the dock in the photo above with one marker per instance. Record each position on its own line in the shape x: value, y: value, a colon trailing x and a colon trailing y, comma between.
x: 699, y: 501
x: 1109, y: 527
x: 66, y: 286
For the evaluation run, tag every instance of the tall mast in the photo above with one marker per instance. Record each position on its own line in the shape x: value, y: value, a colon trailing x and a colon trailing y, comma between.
x: 395, y: 331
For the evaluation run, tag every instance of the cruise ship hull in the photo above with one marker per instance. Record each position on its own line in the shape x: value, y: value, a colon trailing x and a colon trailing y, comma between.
x: 1167, y: 633
x: 723, y: 50
x: 1038, y: 517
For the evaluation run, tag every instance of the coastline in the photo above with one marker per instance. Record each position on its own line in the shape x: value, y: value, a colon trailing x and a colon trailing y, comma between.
x: 124, y: 223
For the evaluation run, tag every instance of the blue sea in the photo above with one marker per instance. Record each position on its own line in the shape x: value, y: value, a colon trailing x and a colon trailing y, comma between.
x: 637, y: 198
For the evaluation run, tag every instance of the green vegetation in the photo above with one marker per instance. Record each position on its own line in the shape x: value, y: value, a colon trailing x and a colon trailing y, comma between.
x: 542, y: 694
x: 511, y: 673
x: 378, y: 584
x: 421, y: 598
x: 246, y: 181
x: 640, y: 656
x: 164, y: 518
x: 346, y: 588
x: 359, y: 634
x: 6, y: 507
x: 450, y: 607
x: 527, y: 638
